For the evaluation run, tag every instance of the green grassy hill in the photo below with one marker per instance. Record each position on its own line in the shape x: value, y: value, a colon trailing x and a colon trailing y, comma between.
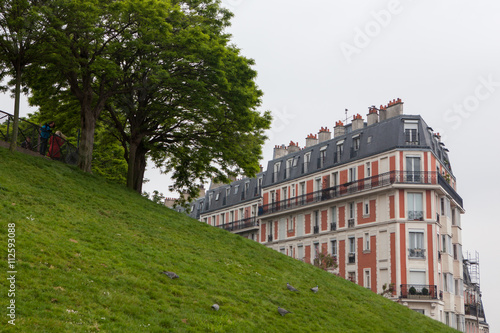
x: 89, y: 255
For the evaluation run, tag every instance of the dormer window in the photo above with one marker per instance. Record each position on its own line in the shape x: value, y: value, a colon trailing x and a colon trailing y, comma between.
x: 411, y: 132
x: 356, y: 142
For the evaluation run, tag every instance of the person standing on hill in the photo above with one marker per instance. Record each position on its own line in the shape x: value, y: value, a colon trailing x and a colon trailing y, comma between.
x: 45, y: 135
x: 56, y: 141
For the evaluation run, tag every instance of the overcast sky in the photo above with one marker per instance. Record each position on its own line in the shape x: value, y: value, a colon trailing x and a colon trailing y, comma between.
x: 317, y: 58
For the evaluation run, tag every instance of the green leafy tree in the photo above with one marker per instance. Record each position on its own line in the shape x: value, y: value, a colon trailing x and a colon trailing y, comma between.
x: 191, y: 105
x: 85, y: 37
x: 20, y: 41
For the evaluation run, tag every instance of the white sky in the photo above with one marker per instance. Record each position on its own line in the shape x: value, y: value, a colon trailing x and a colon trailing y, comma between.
x: 319, y: 57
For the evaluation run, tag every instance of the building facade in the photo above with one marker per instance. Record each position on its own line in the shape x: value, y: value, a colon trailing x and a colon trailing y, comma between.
x: 380, y: 196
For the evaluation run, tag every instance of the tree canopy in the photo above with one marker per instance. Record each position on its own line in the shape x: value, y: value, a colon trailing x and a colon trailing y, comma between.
x: 163, y: 77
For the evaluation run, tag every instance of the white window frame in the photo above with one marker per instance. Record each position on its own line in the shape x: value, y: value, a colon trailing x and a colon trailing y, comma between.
x: 367, y: 278
x: 366, y: 241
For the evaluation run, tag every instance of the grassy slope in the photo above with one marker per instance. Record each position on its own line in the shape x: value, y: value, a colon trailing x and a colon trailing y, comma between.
x: 90, y: 253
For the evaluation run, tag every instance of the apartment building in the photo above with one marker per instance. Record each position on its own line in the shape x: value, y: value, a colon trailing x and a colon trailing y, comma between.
x: 379, y: 195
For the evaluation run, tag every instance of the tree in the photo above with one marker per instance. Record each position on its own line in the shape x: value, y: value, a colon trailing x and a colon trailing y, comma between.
x: 85, y: 37
x: 191, y: 105
x: 20, y: 39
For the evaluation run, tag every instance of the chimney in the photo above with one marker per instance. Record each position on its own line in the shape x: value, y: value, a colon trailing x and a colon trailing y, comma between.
x: 311, y: 140
x: 261, y: 168
x: 438, y: 137
x: 339, y: 129
x: 394, y: 108
x: 372, y: 116
x: 279, y: 151
x: 383, y: 113
x: 293, y: 147
x: 357, y: 122
x: 324, y: 134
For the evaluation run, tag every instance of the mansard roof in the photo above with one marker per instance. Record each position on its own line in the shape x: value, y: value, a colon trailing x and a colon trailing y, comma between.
x: 374, y: 139
x: 240, y: 191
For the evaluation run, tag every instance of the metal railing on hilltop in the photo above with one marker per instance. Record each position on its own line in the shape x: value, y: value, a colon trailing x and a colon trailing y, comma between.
x: 29, y: 138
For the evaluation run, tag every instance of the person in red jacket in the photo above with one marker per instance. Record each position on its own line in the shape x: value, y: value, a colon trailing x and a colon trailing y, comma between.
x: 56, y: 141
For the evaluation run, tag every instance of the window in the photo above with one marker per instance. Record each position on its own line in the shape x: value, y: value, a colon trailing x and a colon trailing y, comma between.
x: 295, y: 161
x: 290, y: 251
x: 316, y: 249
x: 222, y: 218
x: 205, y: 220
x: 288, y: 169
x: 247, y: 186
x: 290, y: 224
x: 351, y: 210
x: 411, y: 132
x: 260, y: 184
x: 367, y: 241
x: 413, y: 169
x: 366, y: 207
x: 307, y: 160
x: 231, y: 216
x: 335, y: 179
x: 416, y: 242
x: 241, y: 214
x: 322, y: 157
x: 282, y: 250
x: 236, y: 187
x: 340, y: 149
x: 351, y: 276
x: 334, y: 247
x: 228, y: 191
x: 367, y: 281
x: 273, y: 196
x: 355, y: 143
x: 276, y: 171
x: 300, y: 250
x: 415, y: 209
x: 448, y: 282
x: 352, y: 245
x: 210, y: 196
x: 368, y: 169
x: 352, y: 174
x: 422, y: 311
x: 213, y: 220
x: 333, y: 219
x: 316, y: 221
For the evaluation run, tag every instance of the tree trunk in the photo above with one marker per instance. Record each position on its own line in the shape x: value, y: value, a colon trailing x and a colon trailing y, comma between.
x: 88, y: 122
x: 17, y: 94
x: 136, y: 165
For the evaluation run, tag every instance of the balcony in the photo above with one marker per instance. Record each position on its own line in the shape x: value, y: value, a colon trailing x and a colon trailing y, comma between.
x: 270, y: 238
x: 359, y: 186
x: 447, y: 187
x: 418, y: 291
x: 415, y: 215
x: 416, y: 253
x: 316, y: 229
x: 352, y: 258
x: 333, y: 226
x: 250, y: 222
x: 350, y: 223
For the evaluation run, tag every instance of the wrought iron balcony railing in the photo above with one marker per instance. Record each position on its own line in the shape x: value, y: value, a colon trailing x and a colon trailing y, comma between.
x: 418, y: 291
x: 333, y: 226
x: 416, y: 253
x: 269, y: 238
x: 374, y: 182
x: 316, y: 229
x: 415, y: 215
x: 249, y: 222
x: 350, y: 223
